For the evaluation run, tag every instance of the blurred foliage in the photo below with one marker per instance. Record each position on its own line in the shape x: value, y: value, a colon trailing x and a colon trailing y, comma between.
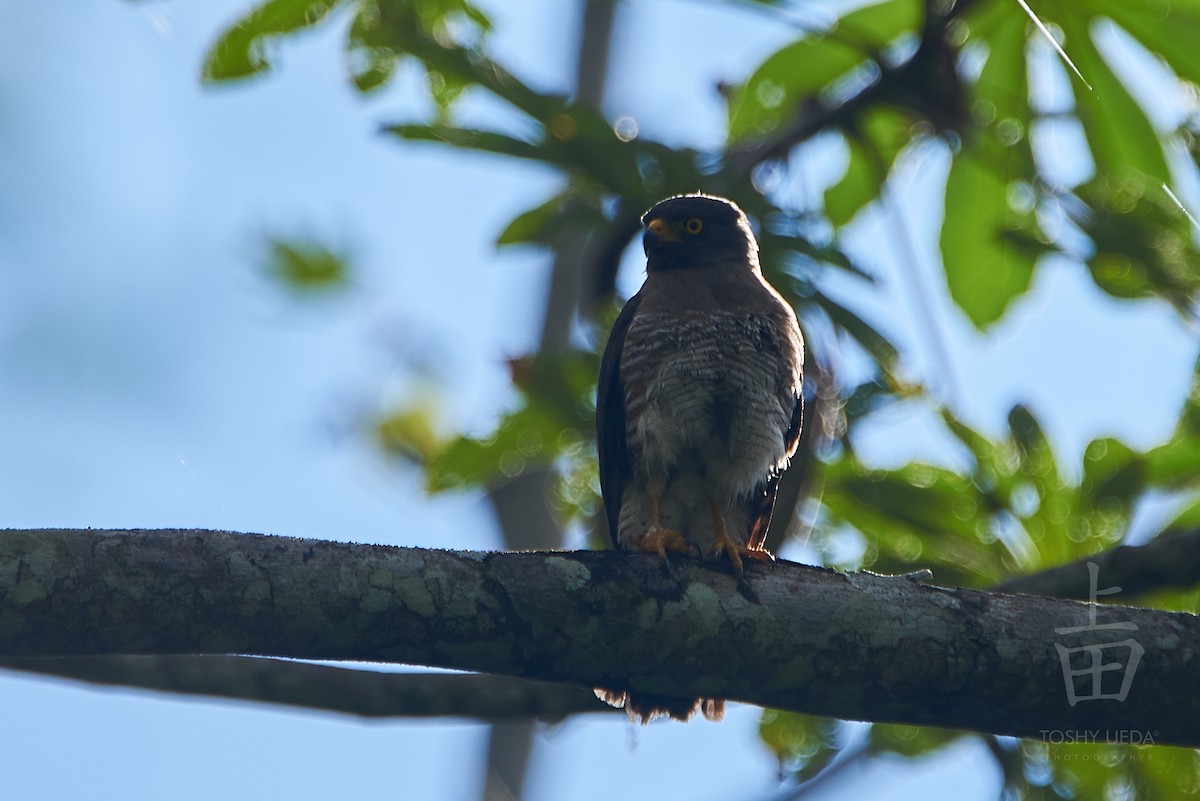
x: 803, y: 744
x: 1013, y: 511
x: 1103, y: 769
x: 890, y: 78
x: 305, y: 267
x: 907, y: 741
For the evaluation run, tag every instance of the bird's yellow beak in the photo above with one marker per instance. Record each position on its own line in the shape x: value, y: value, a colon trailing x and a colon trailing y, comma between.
x: 660, y: 229
x: 658, y: 232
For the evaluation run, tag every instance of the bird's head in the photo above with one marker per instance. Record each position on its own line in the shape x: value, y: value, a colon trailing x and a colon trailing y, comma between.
x: 690, y: 231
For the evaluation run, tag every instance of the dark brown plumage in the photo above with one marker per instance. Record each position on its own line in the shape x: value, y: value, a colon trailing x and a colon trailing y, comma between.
x: 698, y: 408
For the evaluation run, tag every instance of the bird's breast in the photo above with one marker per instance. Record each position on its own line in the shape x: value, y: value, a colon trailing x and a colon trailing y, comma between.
x: 704, y: 390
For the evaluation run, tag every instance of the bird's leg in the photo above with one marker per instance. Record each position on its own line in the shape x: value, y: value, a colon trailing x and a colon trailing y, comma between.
x: 722, y: 543
x: 659, y: 539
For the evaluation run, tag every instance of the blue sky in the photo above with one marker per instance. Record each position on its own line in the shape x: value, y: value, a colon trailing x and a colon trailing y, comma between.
x: 150, y: 377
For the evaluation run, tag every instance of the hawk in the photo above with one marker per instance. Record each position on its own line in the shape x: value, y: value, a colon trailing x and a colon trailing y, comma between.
x: 698, y: 407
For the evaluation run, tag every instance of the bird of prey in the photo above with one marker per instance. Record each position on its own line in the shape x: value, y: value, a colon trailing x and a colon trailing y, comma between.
x: 698, y: 408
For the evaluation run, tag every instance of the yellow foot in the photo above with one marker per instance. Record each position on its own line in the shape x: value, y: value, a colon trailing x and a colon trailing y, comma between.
x: 722, y: 544
x: 660, y: 540
x: 736, y: 552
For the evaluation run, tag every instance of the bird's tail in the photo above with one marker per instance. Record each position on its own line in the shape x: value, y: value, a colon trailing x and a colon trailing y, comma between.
x: 645, y: 708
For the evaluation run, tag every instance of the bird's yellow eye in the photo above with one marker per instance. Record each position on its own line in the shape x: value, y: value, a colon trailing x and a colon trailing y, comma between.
x: 694, y: 226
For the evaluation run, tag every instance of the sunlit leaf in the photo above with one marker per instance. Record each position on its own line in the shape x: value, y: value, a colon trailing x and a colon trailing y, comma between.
x: 551, y: 422
x: 876, y: 26
x: 873, y: 342
x: 874, y: 144
x: 988, y: 247
x: 467, y: 139
x: 306, y: 266
x: 413, y: 430
x: 1175, y: 464
x: 244, y: 49
x: 1112, y: 764
x: 541, y: 224
x: 1167, y: 29
x: 914, y: 516
x: 1000, y: 96
x: 1114, y: 476
x: 867, y: 397
x: 803, y: 744
x: 1143, y: 247
x: 909, y: 741
x: 1124, y: 144
x: 370, y: 58
x: 444, y: 88
x: 1047, y: 514
x: 526, y: 438
x: 783, y: 81
x: 1173, y: 599
x: 802, y: 69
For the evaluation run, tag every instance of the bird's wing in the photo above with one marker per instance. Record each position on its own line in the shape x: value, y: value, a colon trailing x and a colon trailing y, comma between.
x: 611, y: 446
x: 762, y: 501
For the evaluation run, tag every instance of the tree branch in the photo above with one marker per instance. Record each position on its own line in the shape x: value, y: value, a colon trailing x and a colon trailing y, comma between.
x: 1168, y: 560
x: 854, y: 646
x: 347, y: 691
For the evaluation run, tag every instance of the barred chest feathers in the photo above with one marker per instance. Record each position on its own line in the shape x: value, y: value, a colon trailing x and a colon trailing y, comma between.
x: 709, y: 397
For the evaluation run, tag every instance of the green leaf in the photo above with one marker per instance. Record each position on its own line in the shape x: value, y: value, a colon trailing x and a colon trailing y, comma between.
x: 988, y: 247
x: 997, y: 468
x: 370, y: 58
x: 444, y: 88
x: 526, y: 438
x: 917, y: 515
x: 1167, y: 29
x: 1001, y: 93
x: 306, y: 266
x: 803, y: 744
x: 989, y: 237
x: 874, y: 145
x: 873, y: 342
x: 414, y: 430
x: 1048, y: 523
x: 777, y: 88
x: 867, y: 397
x: 875, y: 27
x: 467, y: 139
x: 552, y: 420
x: 1174, y: 464
x: 1114, y: 476
x: 528, y: 227
x: 1100, y: 770
x: 242, y: 50
x: 1124, y: 144
x: 801, y: 70
x: 1143, y: 246
x: 540, y: 225
x: 1189, y: 416
x: 909, y: 741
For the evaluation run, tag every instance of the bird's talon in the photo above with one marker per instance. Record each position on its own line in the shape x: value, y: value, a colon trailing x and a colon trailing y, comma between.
x: 662, y: 540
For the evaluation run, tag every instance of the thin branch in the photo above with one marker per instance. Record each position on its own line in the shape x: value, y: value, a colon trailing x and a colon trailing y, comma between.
x: 1168, y: 560
x: 362, y: 693
x: 851, y: 646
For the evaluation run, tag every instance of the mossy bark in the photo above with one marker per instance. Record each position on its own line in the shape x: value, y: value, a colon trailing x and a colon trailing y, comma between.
x: 854, y: 646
